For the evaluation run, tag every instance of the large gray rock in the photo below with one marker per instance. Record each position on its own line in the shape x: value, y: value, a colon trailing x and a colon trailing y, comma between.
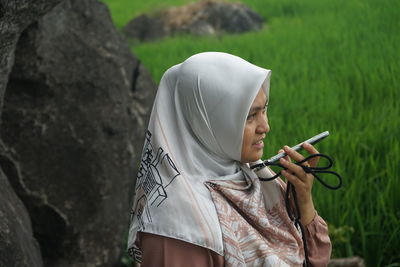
x: 75, y: 112
x: 18, y: 247
x: 15, y: 16
x: 207, y: 17
x: 347, y: 262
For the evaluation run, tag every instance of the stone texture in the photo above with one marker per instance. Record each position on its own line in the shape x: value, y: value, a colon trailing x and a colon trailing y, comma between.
x: 75, y: 111
x: 18, y: 247
x: 15, y: 16
x: 210, y: 17
x: 347, y: 262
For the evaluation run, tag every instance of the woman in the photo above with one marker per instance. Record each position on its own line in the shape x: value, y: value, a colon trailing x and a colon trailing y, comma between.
x: 197, y: 201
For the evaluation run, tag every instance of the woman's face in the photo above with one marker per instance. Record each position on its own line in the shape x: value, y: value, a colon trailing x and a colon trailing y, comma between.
x: 255, y: 129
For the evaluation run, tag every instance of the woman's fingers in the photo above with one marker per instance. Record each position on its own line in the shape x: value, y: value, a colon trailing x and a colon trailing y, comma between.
x: 285, y: 157
x: 293, y: 154
x: 293, y: 169
x: 301, y: 180
x: 311, y: 149
x: 298, y: 183
x: 297, y: 170
x: 298, y: 157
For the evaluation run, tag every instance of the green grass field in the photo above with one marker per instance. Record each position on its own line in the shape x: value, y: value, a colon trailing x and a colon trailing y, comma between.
x: 336, y: 67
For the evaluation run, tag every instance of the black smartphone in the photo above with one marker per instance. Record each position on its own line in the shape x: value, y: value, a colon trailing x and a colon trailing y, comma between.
x: 312, y: 140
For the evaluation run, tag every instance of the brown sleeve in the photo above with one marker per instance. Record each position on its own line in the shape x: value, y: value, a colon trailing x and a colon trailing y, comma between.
x: 160, y: 251
x: 318, y: 242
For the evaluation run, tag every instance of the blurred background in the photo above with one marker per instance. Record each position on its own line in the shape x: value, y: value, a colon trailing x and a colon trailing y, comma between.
x: 335, y: 67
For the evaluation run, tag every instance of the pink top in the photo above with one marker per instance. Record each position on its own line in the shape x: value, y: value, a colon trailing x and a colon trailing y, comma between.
x: 159, y: 251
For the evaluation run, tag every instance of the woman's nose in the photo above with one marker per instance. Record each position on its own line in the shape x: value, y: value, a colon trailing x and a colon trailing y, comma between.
x: 263, y: 126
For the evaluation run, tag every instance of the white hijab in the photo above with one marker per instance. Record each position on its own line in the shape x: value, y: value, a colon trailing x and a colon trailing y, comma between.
x: 194, y: 135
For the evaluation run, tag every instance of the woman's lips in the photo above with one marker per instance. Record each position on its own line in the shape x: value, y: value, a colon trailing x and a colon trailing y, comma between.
x: 259, y: 144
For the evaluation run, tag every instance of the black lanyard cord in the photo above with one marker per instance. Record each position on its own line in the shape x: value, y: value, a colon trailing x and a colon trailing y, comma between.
x: 291, y: 191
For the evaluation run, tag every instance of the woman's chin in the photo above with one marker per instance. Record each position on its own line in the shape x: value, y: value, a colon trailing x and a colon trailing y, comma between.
x: 257, y: 155
x: 252, y: 158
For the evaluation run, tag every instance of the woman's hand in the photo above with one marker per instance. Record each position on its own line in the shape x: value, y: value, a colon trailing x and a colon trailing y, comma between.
x: 301, y: 180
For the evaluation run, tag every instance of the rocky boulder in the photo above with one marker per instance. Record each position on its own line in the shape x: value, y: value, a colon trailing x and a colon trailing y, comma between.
x: 15, y: 16
x: 18, y: 247
x: 75, y: 110
x: 347, y: 262
x: 209, y: 17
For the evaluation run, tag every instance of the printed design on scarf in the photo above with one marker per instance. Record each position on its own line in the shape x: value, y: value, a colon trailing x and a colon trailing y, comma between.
x: 252, y: 235
x: 156, y: 172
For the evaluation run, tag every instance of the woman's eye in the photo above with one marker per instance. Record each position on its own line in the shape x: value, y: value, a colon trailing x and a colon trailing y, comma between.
x: 264, y: 110
x: 251, y: 116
